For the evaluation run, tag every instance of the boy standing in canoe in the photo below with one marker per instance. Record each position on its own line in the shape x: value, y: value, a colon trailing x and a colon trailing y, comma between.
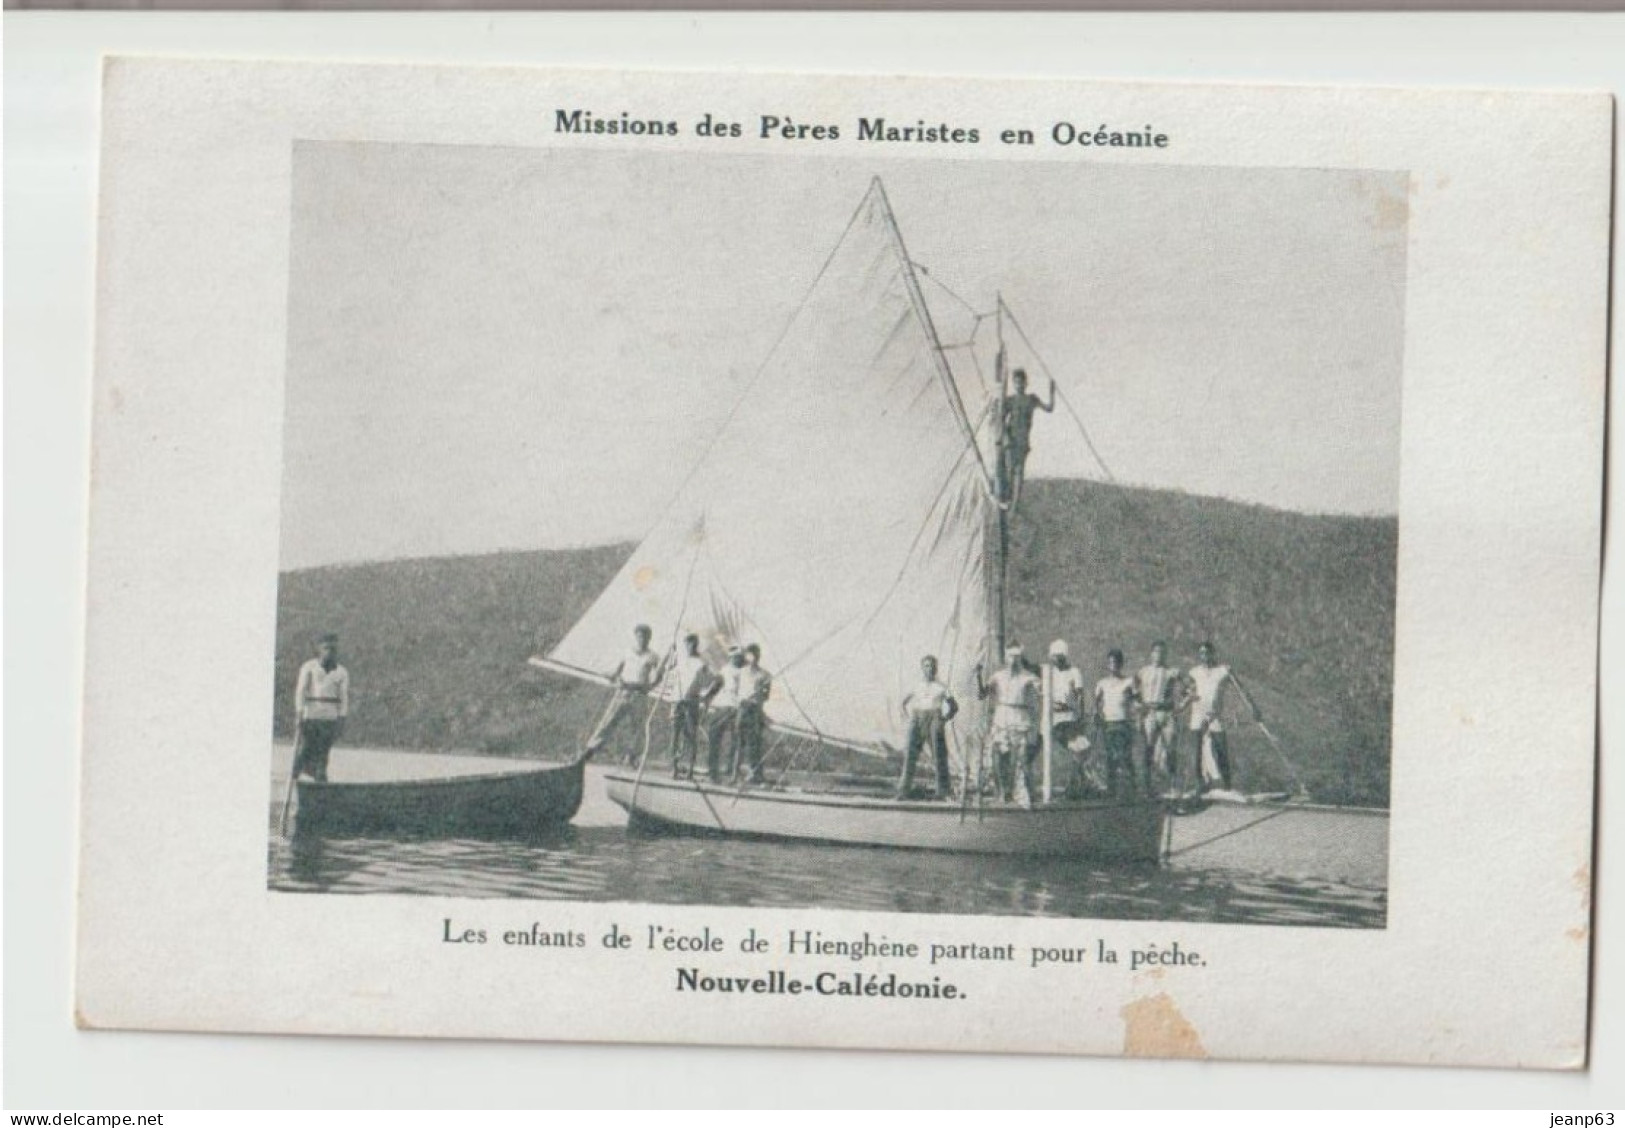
x: 321, y: 701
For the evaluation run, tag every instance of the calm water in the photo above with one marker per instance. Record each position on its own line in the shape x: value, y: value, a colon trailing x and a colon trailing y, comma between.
x: 607, y: 863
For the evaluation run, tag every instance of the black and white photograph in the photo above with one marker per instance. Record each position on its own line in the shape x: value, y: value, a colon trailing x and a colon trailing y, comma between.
x: 851, y: 562
x: 966, y: 538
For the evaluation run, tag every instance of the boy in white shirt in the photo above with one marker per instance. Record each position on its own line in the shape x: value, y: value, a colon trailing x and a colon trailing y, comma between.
x: 691, y: 678
x: 722, y: 713
x: 1014, y: 733
x: 755, y: 684
x: 928, y: 707
x: 321, y: 702
x: 1114, y: 710
x: 1156, y: 685
x: 636, y: 674
x: 1066, y: 712
x: 1206, y: 683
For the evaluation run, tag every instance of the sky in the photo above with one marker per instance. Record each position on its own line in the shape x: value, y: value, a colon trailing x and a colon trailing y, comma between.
x: 496, y: 348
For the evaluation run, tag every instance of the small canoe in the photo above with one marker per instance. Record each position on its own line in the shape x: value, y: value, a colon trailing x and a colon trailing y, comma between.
x: 508, y: 804
x: 1105, y: 830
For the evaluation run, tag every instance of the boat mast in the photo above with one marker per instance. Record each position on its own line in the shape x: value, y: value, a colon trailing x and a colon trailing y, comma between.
x: 1001, y: 476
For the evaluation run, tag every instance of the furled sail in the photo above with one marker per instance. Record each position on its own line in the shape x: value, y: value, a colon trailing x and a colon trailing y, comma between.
x: 839, y: 518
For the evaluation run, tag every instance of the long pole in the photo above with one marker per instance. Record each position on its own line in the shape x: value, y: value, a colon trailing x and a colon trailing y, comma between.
x: 654, y: 703
x: 1300, y: 791
x: 293, y: 773
x: 1001, y: 475
x: 1046, y: 726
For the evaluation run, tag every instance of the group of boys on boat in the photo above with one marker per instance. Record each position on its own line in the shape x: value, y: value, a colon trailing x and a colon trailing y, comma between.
x: 1160, y: 729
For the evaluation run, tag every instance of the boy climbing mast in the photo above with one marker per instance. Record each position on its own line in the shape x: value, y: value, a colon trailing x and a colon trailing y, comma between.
x: 1018, y: 409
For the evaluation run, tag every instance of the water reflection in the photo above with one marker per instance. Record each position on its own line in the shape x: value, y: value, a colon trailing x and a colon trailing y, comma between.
x: 608, y: 864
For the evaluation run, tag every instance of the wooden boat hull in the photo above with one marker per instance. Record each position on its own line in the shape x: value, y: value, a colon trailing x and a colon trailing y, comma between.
x: 1296, y: 840
x: 500, y: 804
x: 1102, y: 831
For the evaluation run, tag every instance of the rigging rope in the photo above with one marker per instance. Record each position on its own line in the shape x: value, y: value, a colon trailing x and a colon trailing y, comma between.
x: 902, y: 570
x: 654, y: 696
x: 1292, y: 772
x: 1227, y: 834
x: 746, y: 615
x: 920, y: 266
x: 1106, y: 471
x: 919, y: 533
x: 945, y: 373
x: 1077, y: 419
x: 761, y: 369
x: 1043, y: 365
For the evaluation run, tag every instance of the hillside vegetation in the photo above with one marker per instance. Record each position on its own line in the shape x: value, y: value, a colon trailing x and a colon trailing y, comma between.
x: 1301, y: 607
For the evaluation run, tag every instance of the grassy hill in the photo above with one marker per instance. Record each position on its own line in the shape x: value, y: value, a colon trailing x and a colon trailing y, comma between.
x: 1302, y: 607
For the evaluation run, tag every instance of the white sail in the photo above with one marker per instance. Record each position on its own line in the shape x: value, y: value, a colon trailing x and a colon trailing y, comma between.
x: 840, y: 517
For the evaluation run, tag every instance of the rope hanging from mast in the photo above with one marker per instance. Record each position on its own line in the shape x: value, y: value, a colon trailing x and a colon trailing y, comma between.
x: 1043, y: 365
x: 1003, y: 312
x: 923, y: 312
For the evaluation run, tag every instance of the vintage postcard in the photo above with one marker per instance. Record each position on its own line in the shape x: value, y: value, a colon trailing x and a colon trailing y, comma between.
x: 808, y: 560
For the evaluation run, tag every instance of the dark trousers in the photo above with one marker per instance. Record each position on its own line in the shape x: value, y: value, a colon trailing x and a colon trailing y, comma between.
x: 685, y: 732
x: 721, y: 723
x: 925, y: 730
x: 1117, y: 737
x: 1013, y: 470
x: 748, y: 741
x: 315, y: 744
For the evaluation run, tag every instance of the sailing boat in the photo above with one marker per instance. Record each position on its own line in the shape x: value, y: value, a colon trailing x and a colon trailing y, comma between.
x: 849, y: 518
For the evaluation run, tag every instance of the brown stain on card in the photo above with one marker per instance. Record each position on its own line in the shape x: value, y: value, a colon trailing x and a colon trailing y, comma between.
x: 1153, y: 1027
x: 1581, y: 933
x: 1391, y: 212
x: 644, y: 576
